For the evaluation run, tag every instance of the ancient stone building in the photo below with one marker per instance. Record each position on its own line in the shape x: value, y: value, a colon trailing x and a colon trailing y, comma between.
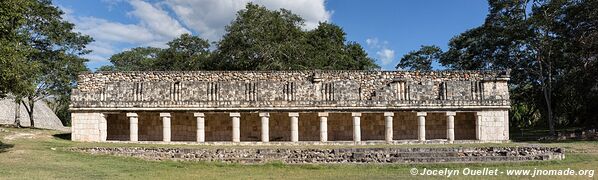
x: 292, y: 106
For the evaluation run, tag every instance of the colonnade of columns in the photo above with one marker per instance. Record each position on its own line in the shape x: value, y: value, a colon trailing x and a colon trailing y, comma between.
x: 294, y: 126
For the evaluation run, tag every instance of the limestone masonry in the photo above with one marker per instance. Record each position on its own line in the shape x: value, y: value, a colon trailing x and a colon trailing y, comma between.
x: 264, y: 106
x: 342, y: 155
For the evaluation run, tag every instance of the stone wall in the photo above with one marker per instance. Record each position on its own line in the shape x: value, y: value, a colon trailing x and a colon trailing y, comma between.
x: 218, y: 127
x: 309, y: 127
x: 150, y: 126
x: 85, y: 126
x: 495, y: 125
x: 436, y: 126
x: 117, y: 127
x: 404, y: 126
x: 183, y: 127
x: 372, y: 126
x: 355, y: 155
x: 333, y: 90
x: 340, y: 127
x: 465, y: 126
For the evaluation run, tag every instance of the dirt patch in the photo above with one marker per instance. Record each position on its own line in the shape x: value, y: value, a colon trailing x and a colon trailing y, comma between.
x: 23, y: 135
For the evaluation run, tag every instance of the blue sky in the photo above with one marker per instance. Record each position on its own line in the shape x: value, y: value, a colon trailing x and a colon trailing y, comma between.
x: 387, y: 29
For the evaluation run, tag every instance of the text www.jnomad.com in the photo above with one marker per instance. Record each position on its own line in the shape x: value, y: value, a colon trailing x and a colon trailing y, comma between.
x: 496, y: 172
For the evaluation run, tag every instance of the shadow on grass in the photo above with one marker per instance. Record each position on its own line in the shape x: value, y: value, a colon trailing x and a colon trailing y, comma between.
x: 63, y: 136
x: 5, y: 147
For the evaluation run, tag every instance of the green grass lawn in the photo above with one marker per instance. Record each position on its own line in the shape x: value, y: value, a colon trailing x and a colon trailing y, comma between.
x: 37, y: 154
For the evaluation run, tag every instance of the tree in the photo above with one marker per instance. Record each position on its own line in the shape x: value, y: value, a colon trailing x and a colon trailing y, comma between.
x: 258, y: 39
x: 421, y: 59
x: 550, y: 46
x: 136, y: 59
x: 184, y: 53
x: 327, y: 49
x: 13, y: 67
x: 46, y: 51
x: 261, y: 39
x: 358, y: 58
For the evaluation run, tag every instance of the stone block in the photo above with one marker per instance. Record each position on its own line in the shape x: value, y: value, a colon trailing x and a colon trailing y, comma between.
x: 199, y: 115
x: 386, y: 114
x: 164, y: 114
x: 132, y: 115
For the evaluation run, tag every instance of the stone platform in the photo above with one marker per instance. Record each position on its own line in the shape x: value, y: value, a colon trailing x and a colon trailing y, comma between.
x: 302, y: 143
x: 338, y: 155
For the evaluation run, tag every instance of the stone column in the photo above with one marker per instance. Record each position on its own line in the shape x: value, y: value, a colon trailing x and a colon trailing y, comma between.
x: 265, y: 126
x: 323, y: 126
x: 478, y: 126
x: 165, y: 126
x: 356, y: 127
x: 388, y: 116
x: 103, y: 127
x: 133, y: 126
x: 294, y: 127
x: 421, y: 119
x: 201, y: 126
x: 450, y: 126
x: 236, y: 126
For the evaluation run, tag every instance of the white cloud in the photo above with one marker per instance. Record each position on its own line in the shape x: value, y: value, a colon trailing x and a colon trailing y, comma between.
x: 313, y: 11
x: 94, y: 58
x: 157, y: 20
x: 107, y: 31
x: 386, y: 55
x: 209, y: 17
x: 155, y: 26
x: 101, y: 48
x: 371, y: 42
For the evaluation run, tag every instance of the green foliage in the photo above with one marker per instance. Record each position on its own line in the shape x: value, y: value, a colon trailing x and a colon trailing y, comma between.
x: 136, y: 59
x: 421, y: 59
x: 12, y: 53
x: 326, y: 48
x: 183, y: 54
x: 260, y: 39
x: 40, y: 52
x: 551, y: 48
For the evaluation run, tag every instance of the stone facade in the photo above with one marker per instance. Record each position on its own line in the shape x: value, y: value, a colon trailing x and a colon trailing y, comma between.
x: 291, y: 106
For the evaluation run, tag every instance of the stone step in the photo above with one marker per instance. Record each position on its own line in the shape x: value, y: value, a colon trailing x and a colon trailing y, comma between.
x: 347, y: 155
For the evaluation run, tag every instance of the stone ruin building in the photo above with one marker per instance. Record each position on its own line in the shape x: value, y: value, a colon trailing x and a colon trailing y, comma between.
x: 292, y: 106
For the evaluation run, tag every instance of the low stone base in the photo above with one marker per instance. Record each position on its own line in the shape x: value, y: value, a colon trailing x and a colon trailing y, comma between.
x: 346, y: 155
x: 300, y: 143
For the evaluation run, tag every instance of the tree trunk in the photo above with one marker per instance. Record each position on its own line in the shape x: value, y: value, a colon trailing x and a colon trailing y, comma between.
x: 30, y: 112
x: 547, y: 91
x: 17, y: 113
x: 29, y: 107
x: 549, y: 109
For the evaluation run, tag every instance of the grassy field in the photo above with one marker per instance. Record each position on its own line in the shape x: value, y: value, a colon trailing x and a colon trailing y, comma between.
x: 41, y: 154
